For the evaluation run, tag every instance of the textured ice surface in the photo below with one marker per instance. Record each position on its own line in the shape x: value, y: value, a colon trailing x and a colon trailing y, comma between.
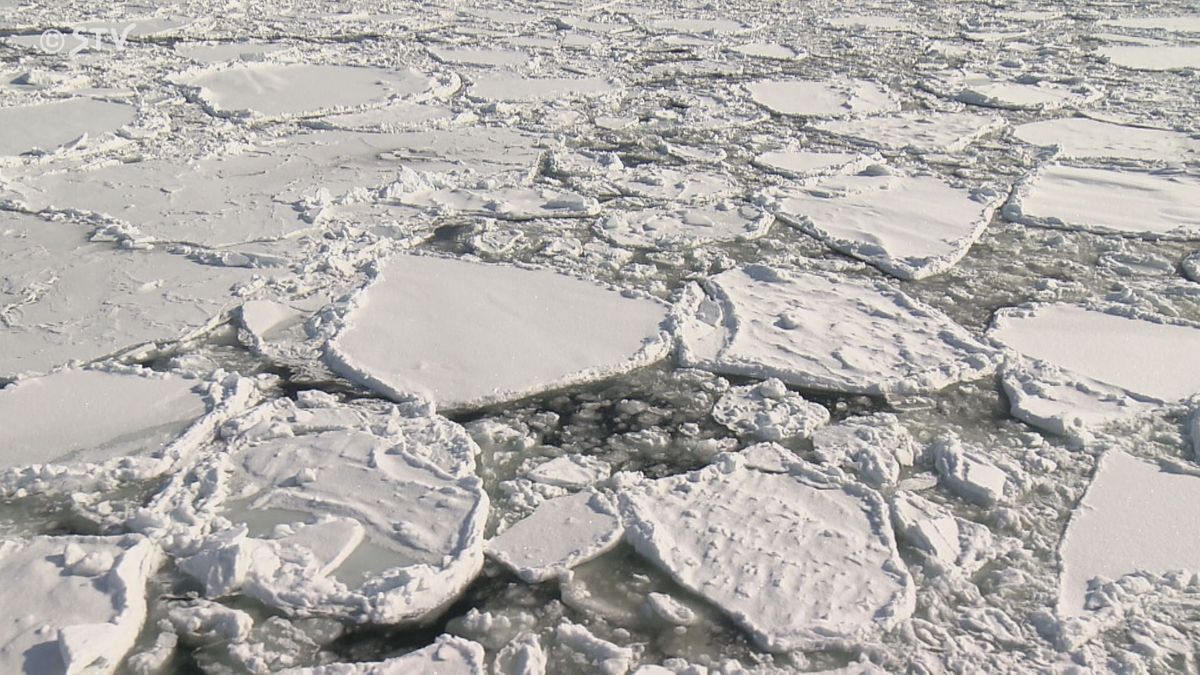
x: 799, y: 559
x: 466, y: 334
x: 1152, y: 58
x: 806, y: 164
x: 811, y: 98
x: 1079, y: 137
x: 817, y: 332
x: 999, y: 93
x: 876, y: 447
x: 48, y: 126
x: 1134, y: 517
x: 1063, y: 402
x: 1107, y: 200
x: 1153, y: 360
x: 562, y: 533
x: 923, y: 132
x: 769, y: 412
x: 909, y: 227
x: 448, y: 655
x: 522, y: 89
x: 684, y: 227
x: 77, y: 604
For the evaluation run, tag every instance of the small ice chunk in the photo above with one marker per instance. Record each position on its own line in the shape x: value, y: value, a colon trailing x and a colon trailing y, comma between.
x: 876, y: 446
x: 874, y: 22
x: 571, y: 471
x: 448, y: 655
x: 1156, y: 58
x: 48, y: 126
x: 769, y: 412
x: 466, y: 334
x: 811, y: 98
x: 523, y: 655
x: 591, y: 653
x: 923, y: 132
x: 1193, y: 431
x: 1134, y: 517
x: 562, y: 533
x: 909, y: 227
x: 1158, y: 361
x: 201, y: 621
x: 1082, y: 138
x: 66, y: 618
x: 801, y: 164
x: 817, y: 332
x: 1061, y: 402
x: 743, y: 539
x: 949, y: 541
x: 1108, y: 201
x: 967, y: 474
x: 1191, y: 267
x: 670, y: 610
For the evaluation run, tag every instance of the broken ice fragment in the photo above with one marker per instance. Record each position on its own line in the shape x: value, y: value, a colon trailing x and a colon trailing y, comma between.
x: 743, y: 539
x: 1153, y: 58
x: 810, y: 98
x: 1082, y: 138
x: 562, y: 533
x: 1062, y: 402
x: 967, y: 474
x: 949, y: 541
x: 448, y: 655
x: 875, y: 446
x: 571, y: 471
x: 769, y: 412
x: 683, y: 227
x: 467, y: 334
x: 802, y: 164
x: 525, y: 89
x: 922, y: 132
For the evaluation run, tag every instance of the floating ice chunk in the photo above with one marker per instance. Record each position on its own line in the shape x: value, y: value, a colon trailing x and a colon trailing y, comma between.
x: 221, y: 52
x: 769, y: 412
x: 923, y: 132
x: 591, y: 653
x: 911, y: 227
x: 526, y: 89
x: 523, y: 655
x: 684, y: 227
x: 571, y: 471
x: 76, y: 604
x: 1134, y: 517
x: 283, y: 90
x: 885, y: 24
x: 768, y: 50
x: 816, y: 332
x: 1186, y: 23
x: 66, y: 298
x: 200, y: 621
x: 967, y: 474
x: 693, y: 25
x: 466, y: 334
x: 1157, y: 361
x: 1061, y: 402
x: 802, y: 164
x: 743, y: 539
x: 474, y: 56
x: 508, y: 203
x: 562, y: 533
x: 1078, y: 137
x: 811, y: 98
x: 448, y: 655
x: 676, y: 185
x: 48, y: 126
x: 1158, y: 58
x: 990, y: 93
x: 876, y: 446
x: 949, y: 541
x: 1108, y: 201
x: 1191, y: 267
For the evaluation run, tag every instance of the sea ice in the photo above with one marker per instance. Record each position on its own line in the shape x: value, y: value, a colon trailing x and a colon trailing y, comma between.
x: 1108, y: 201
x: 875, y: 446
x: 817, y: 332
x: 949, y: 541
x: 474, y: 56
x: 48, y: 126
x: 801, y: 560
x: 1186, y: 23
x: 515, y: 89
x: 1156, y: 58
x: 993, y: 93
x: 801, y: 164
x: 684, y: 227
x: 810, y: 98
x: 1134, y: 517
x: 911, y: 227
x: 922, y: 132
x: 1082, y: 138
x: 448, y: 655
x: 75, y: 604
x: 967, y: 473
x: 768, y: 50
x: 1154, y: 361
x: 562, y: 533
x: 1061, y: 402
x: 467, y: 334
x: 571, y: 471
x: 769, y: 412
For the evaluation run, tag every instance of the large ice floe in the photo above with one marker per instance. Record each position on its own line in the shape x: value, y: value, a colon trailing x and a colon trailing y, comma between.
x: 908, y: 226
x: 990, y: 92
x: 66, y: 298
x: 466, y: 334
x: 1135, y: 517
x: 812, y: 98
x: 1083, y: 138
x: 922, y: 132
x: 799, y: 558
x: 370, y: 512
x: 1155, y: 58
x: 45, y: 127
x: 77, y: 604
x: 1108, y: 201
x: 814, y: 331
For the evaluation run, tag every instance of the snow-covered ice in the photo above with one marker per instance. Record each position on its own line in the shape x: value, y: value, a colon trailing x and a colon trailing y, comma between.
x: 561, y: 534
x: 1154, y: 58
x: 812, y: 98
x: 923, y: 132
x: 769, y: 412
x: 48, y: 126
x: 1083, y: 138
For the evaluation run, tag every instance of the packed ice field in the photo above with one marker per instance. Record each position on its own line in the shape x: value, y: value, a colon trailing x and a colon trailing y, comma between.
x: 555, y: 337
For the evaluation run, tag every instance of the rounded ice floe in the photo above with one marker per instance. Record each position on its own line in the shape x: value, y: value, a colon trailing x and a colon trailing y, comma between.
x: 1151, y: 358
x: 767, y: 411
x: 875, y: 446
x: 1185, y: 23
x: 448, y: 655
x: 1082, y: 138
x: 696, y: 25
x: 874, y: 22
x: 818, y: 332
x: 467, y: 334
x: 684, y: 227
x: 478, y: 56
x: 802, y: 164
x: 813, y: 98
x: 371, y: 512
x: 46, y: 127
x: 994, y: 93
x: 801, y: 559
x: 1134, y: 517
x: 75, y: 604
x: 922, y: 132
x: 562, y: 533
x: 1108, y: 201
x: 506, y: 203
x: 911, y: 227
x: 1157, y: 58
x: 284, y: 90
x: 83, y: 428
x: 769, y: 50
x: 222, y: 52
x: 66, y: 298
x: 516, y: 89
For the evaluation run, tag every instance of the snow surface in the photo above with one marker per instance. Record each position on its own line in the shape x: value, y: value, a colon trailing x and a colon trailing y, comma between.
x: 562, y: 533
x: 1082, y: 138
x: 945, y: 132
x: 1153, y: 58
x: 47, y: 126
x: 811, y: 98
